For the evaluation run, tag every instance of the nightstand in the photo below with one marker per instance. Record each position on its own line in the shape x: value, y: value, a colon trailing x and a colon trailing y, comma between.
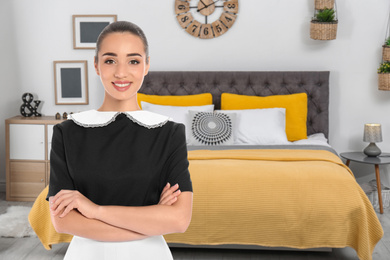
x: 360, y: 157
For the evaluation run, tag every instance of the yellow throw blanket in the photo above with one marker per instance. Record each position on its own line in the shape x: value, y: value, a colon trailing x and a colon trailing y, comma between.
x: 278, y: 198
x: 40, y: 221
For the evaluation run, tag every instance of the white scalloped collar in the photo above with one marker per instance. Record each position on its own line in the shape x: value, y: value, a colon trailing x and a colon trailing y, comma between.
x: 94, y: 118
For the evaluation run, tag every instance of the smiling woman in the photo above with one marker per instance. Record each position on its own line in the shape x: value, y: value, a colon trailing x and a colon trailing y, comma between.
x: 121, y: 67
x: 113, y: 178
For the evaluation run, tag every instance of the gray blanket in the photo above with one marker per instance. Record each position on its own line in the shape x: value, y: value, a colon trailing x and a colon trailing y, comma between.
x: 243, y: 147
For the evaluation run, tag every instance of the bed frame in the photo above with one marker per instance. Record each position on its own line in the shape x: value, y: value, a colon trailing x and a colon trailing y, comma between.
x: 254, y: 83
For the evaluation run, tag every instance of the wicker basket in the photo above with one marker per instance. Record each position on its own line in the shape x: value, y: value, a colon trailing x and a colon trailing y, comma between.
x: 323, y: 4
x: 384, y: 81
x: 323, y: 31
x: 386, y: 53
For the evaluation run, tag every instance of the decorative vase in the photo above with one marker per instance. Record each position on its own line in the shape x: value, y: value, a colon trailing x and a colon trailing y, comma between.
x: 323, y: 31
x: 384, y: 81
x: 324, y: 4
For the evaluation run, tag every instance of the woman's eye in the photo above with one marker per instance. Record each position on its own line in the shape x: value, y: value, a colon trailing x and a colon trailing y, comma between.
x: 134, y: 62
x: 109, y: 61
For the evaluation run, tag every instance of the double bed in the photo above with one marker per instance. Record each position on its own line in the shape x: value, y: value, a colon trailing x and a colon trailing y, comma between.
x: 295, y: 194
x: 285, y: 188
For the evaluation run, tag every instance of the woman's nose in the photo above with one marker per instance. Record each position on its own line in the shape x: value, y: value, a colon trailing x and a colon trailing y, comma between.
x: 121, y: 71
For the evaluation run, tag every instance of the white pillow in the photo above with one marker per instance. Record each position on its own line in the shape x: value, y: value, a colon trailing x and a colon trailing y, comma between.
x: 259, y: 126
x: 178, y: 114
x: 314, y: 139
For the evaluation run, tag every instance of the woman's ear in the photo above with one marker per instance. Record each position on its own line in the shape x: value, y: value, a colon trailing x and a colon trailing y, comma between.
x: 96, y: 66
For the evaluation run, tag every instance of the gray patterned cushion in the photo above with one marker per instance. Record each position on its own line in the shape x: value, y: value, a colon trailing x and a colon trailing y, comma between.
x: 209, y: 128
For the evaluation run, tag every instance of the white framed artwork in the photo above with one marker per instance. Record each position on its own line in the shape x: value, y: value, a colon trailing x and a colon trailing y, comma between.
x: 86, y: 29
x: 71, y: 82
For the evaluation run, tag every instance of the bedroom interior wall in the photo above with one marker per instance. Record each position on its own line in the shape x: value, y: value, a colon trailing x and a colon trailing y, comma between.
x: 267, y: 36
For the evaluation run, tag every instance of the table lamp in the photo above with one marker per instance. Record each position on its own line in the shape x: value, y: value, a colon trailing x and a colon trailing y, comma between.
x: 372, y: 134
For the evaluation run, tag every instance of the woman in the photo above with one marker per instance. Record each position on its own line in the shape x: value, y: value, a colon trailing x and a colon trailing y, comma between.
x: 116, y: 171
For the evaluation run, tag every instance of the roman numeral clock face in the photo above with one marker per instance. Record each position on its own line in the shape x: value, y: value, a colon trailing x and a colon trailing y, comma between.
x: 206, y: 19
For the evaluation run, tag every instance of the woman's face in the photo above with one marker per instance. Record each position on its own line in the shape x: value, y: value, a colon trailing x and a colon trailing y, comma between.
x: 121, y: 65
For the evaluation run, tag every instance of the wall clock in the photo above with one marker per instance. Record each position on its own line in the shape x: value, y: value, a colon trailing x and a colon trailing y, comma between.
x: 206, y: 19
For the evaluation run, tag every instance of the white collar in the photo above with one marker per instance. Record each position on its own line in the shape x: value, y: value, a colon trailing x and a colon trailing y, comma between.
x: 94, y: 118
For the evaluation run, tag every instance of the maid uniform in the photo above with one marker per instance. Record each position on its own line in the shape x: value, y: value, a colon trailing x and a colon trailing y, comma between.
x: 118, y: 158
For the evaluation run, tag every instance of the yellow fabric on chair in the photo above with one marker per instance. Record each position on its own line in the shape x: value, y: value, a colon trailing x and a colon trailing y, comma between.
x: 40, y: 221
x: 185, y: 100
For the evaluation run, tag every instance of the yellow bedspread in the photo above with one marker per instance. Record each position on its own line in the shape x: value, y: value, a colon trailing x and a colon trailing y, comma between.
x: 40, y: 221
x: 278, y: 198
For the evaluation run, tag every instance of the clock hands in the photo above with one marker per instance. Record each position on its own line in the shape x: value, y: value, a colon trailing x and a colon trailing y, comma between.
x: 203, y: 3
x: 205, y: 6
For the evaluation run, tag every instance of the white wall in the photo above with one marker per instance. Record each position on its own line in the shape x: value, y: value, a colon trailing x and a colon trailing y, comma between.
x: 268, y: 35
x: 10, y: 87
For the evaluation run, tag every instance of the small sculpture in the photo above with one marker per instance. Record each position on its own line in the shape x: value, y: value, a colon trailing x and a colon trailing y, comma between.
x: 58, y: 116
x: 27, y: 100
x: 65, y: 115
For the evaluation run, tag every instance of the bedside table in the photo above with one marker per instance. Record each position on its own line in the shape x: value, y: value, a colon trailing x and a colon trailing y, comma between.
x: 360, y: 157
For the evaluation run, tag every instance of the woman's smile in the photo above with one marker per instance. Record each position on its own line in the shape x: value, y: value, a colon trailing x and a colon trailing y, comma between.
x: 121, y: 85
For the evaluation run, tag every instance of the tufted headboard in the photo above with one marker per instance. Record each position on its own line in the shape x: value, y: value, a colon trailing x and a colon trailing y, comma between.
x: 255, y: 83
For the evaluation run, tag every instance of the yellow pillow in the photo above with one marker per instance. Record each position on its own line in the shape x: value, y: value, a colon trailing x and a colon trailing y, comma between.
x: 295, y: 105
x: 187, y: 100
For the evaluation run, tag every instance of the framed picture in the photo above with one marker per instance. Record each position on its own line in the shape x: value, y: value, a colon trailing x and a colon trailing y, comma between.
x: 86, y: 29
x: 71, y: 82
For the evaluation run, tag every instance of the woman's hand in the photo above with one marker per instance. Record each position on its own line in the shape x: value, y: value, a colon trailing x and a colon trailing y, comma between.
x: 169, y: 194
x: 66, y: 200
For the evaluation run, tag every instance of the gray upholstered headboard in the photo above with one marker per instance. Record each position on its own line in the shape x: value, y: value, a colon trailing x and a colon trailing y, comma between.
x: 255, y: 83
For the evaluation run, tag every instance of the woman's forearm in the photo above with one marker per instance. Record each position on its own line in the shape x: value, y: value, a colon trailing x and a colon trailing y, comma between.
x: 76, y: 224
x: 147, y: 220
x: 150, y: 220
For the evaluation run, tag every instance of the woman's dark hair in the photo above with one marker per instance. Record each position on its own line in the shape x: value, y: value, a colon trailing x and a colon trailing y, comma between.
x: 122, y: 27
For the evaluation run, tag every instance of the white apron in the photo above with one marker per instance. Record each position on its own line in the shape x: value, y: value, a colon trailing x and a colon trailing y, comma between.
x: 146, y: 249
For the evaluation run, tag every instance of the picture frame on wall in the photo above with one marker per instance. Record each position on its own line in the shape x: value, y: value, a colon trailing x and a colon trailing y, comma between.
x: 71, y: 82
x: 86, y: 29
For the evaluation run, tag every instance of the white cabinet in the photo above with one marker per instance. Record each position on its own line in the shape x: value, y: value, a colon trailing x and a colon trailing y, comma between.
x: 28, y: 145
x: 27, y: 142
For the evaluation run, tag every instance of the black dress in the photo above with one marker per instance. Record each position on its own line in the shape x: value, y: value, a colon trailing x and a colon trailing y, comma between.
x: 122, y: 159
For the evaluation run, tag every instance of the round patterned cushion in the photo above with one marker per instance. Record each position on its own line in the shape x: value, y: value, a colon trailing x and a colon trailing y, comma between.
x: 211, y: 128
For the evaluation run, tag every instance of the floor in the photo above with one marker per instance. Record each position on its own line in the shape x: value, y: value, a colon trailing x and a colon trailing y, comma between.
x: 31, y: 248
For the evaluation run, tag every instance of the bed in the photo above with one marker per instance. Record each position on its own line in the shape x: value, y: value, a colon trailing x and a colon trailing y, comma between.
x: 297, y: 194
x: 280, y: 189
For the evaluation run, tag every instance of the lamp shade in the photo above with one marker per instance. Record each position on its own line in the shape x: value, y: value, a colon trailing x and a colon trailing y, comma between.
x: 372, y: 133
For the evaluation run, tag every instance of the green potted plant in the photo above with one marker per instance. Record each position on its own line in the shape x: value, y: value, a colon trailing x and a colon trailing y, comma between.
x: 386, y: 50
x: 384, y: 76
x: 323, y: 4
x: 324, y: 25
